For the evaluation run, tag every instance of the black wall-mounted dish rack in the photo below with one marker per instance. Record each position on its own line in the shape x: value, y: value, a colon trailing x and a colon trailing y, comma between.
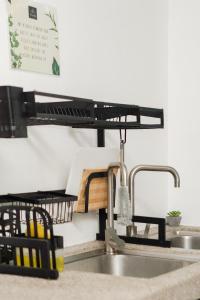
x: 19, y: 109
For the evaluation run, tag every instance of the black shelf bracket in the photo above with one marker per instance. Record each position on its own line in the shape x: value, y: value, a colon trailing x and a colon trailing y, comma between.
x: 12, y: 120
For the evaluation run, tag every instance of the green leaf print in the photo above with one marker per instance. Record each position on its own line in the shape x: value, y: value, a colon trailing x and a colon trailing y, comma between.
x: 10, y: 21
x: 16, y: 59
x: 54, y: 25
x: 55, y: 67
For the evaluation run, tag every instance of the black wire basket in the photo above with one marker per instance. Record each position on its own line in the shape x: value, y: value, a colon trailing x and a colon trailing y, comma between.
x: 56, y: 203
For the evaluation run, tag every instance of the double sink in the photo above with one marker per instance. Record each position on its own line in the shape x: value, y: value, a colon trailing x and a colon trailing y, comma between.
x: 124, y: 263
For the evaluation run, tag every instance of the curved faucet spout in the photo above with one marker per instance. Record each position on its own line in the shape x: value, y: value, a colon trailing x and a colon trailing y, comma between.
x: 152, y: 168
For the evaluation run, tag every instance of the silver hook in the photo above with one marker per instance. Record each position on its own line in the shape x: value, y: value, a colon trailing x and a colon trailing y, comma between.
x: 123, y: 139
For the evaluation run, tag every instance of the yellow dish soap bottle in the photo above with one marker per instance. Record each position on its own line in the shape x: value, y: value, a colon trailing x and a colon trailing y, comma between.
x: 59, y: 253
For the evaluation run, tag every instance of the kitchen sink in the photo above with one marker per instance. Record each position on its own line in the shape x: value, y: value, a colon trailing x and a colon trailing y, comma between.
x: 186, y: 242
x: 126, y: 265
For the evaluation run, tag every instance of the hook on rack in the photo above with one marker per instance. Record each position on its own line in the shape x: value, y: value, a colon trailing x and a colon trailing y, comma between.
x: 121, y: 131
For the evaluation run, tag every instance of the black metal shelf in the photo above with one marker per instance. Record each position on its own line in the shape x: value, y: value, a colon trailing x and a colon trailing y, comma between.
x: 84, y: 113
x: 19, y: 109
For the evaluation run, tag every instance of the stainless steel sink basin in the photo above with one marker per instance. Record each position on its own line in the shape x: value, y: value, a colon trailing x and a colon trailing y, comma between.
x: 127, y: 265
x: 186, y: 242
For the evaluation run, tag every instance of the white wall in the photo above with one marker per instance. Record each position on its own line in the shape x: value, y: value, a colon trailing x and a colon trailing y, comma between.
x: 112, y: 50
x: 184, y: 105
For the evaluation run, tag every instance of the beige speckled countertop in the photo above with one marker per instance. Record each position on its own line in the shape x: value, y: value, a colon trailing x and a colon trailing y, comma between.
x: 182, y: 284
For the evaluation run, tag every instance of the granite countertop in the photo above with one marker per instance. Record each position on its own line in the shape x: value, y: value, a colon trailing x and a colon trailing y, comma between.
x: 181, y: 284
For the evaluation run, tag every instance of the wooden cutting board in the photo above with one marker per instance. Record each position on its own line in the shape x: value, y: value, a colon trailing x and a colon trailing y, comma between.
x: 98, y: 192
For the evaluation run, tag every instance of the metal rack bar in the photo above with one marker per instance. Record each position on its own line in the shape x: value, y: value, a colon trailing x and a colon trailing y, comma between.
x: 160, y: 242
x: 27, y: 96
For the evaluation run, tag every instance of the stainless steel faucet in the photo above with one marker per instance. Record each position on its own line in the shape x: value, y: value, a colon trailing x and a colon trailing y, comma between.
x: 113, y: 242
x: 132, y: 229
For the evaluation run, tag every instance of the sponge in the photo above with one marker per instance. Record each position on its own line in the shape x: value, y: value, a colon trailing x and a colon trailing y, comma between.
x: 124, y: 215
